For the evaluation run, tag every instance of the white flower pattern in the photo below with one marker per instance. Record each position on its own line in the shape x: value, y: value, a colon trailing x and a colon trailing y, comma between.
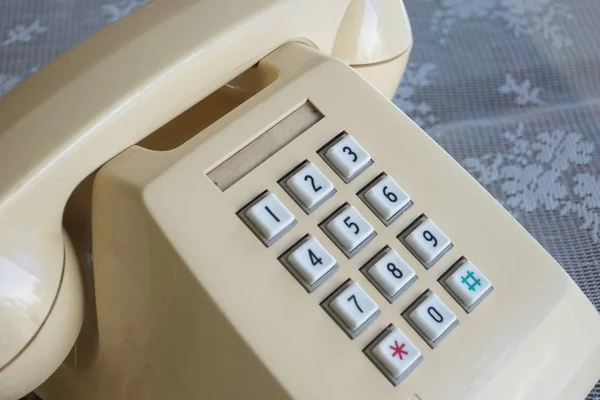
x: 24, y: 34
x: 533, y: 174
x: 526, y: 95
x: 7, y: 82
x: 117, y: 10
x: 415, y: 77
x: 545, y: 18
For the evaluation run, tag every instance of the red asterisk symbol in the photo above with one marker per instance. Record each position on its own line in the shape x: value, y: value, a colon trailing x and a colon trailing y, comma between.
x: 398, y: 350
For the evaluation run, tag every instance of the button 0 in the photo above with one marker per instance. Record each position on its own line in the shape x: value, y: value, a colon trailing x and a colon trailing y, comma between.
x: 394, y: 354
x: 268, y: 218
x: 431, y: 318
x: 347, y: 157
x: 466, y: 284
x: 426, y: 241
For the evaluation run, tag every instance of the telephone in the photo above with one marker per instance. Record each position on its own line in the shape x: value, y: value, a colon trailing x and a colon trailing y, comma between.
x: 215, y: 199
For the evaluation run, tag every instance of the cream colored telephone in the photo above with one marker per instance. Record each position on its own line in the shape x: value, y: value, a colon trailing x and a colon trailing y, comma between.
x: 203, y: 201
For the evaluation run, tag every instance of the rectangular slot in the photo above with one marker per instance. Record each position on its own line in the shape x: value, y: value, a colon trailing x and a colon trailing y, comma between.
x: 266, y: 145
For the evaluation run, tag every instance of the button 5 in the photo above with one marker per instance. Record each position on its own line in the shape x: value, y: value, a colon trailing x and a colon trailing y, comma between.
x: 348, y: 229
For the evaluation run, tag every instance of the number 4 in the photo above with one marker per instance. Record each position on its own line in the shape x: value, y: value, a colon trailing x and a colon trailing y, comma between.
x: 313, y: 258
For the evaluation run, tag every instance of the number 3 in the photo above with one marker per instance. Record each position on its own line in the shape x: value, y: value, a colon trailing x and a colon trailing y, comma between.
x: 348, y: 150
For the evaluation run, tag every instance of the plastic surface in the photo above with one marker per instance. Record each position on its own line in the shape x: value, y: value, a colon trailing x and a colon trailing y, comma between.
x: 50, y: 139
x: 192, y: 305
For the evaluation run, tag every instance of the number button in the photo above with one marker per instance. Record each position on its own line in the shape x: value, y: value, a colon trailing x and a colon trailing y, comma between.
x: 309, y: 263
x: 466, y: 284
x: 389, y: 273
x: 268, y: 218
x: 426, y: 241
x: 347, y: 157
x: 348, y: 229
x: 309, y: 187
x: 352, y: 308
x: 394, y: 354
x: 431, y: 318
x: 386, y: 199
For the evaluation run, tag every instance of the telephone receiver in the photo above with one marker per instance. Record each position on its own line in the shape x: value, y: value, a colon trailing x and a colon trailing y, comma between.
x: 185, y: 61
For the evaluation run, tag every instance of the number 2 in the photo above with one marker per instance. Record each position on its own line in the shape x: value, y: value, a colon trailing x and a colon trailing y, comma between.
x: 353, y: 297
x: 348, y: 150
x: 312, y: 183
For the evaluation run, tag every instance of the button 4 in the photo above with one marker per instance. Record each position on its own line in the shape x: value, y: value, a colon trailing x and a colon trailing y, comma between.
x: 425, y: 241
x: 466, y: 284
x: 348, y: 229
x: 347, y: 157
x: 389, y: 273
x: 351, y: 307
x: 431, y: 318
x: 267, y: 217
x: 394, y: 354
x: 309, y: 263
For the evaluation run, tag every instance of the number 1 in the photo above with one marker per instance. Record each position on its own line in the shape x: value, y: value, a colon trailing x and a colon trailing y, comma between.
x: 271, y: 212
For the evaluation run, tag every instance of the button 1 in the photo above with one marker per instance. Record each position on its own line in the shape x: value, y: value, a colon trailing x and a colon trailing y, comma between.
x: 389, y: 273
x: 347, y: 157
x: 309, y: 262
x: 466, y: 284
x: 386, y: 199
x: 431, y: 318
x: 351, y: 307
x: 348, y: 229
x: 268, y: 218
x: 426, y: 241
x: 309, y: 187
x: 394, y: 354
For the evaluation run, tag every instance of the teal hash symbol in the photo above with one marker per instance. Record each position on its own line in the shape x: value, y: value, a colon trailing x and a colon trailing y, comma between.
x: 473, y: 281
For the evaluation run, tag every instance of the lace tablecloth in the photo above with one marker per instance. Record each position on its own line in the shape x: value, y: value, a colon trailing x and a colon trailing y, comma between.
x: 510, y: 88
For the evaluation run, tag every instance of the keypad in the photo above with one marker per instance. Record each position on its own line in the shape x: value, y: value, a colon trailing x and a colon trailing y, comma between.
x: 466, y: 284
x: 311, y: 261
x: 431, y: 318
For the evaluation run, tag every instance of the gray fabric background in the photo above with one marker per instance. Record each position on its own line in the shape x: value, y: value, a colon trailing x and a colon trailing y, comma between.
x: 510, y: 88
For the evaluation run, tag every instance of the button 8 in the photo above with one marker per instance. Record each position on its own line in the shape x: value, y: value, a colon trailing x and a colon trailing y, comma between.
x: 389, y: 273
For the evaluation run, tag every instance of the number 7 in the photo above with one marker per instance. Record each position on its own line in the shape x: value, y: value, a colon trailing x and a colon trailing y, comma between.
x: 353, y: 297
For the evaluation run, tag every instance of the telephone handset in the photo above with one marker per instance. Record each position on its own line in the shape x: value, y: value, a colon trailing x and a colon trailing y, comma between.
x: 269, y: 227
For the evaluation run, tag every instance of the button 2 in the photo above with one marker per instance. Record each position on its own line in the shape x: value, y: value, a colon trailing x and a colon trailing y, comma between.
x: 267, y: 217
x: 348, y: 229
x: 389, y: 273
x: 347, y: 157
x: 466, y: 284
x: 351, y: 307
x: 394, y: 354
x: 385, y: 198
x: 309, y: 263
x: 425, y: 241
x: 431, y: 318
x: 308, y: 186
